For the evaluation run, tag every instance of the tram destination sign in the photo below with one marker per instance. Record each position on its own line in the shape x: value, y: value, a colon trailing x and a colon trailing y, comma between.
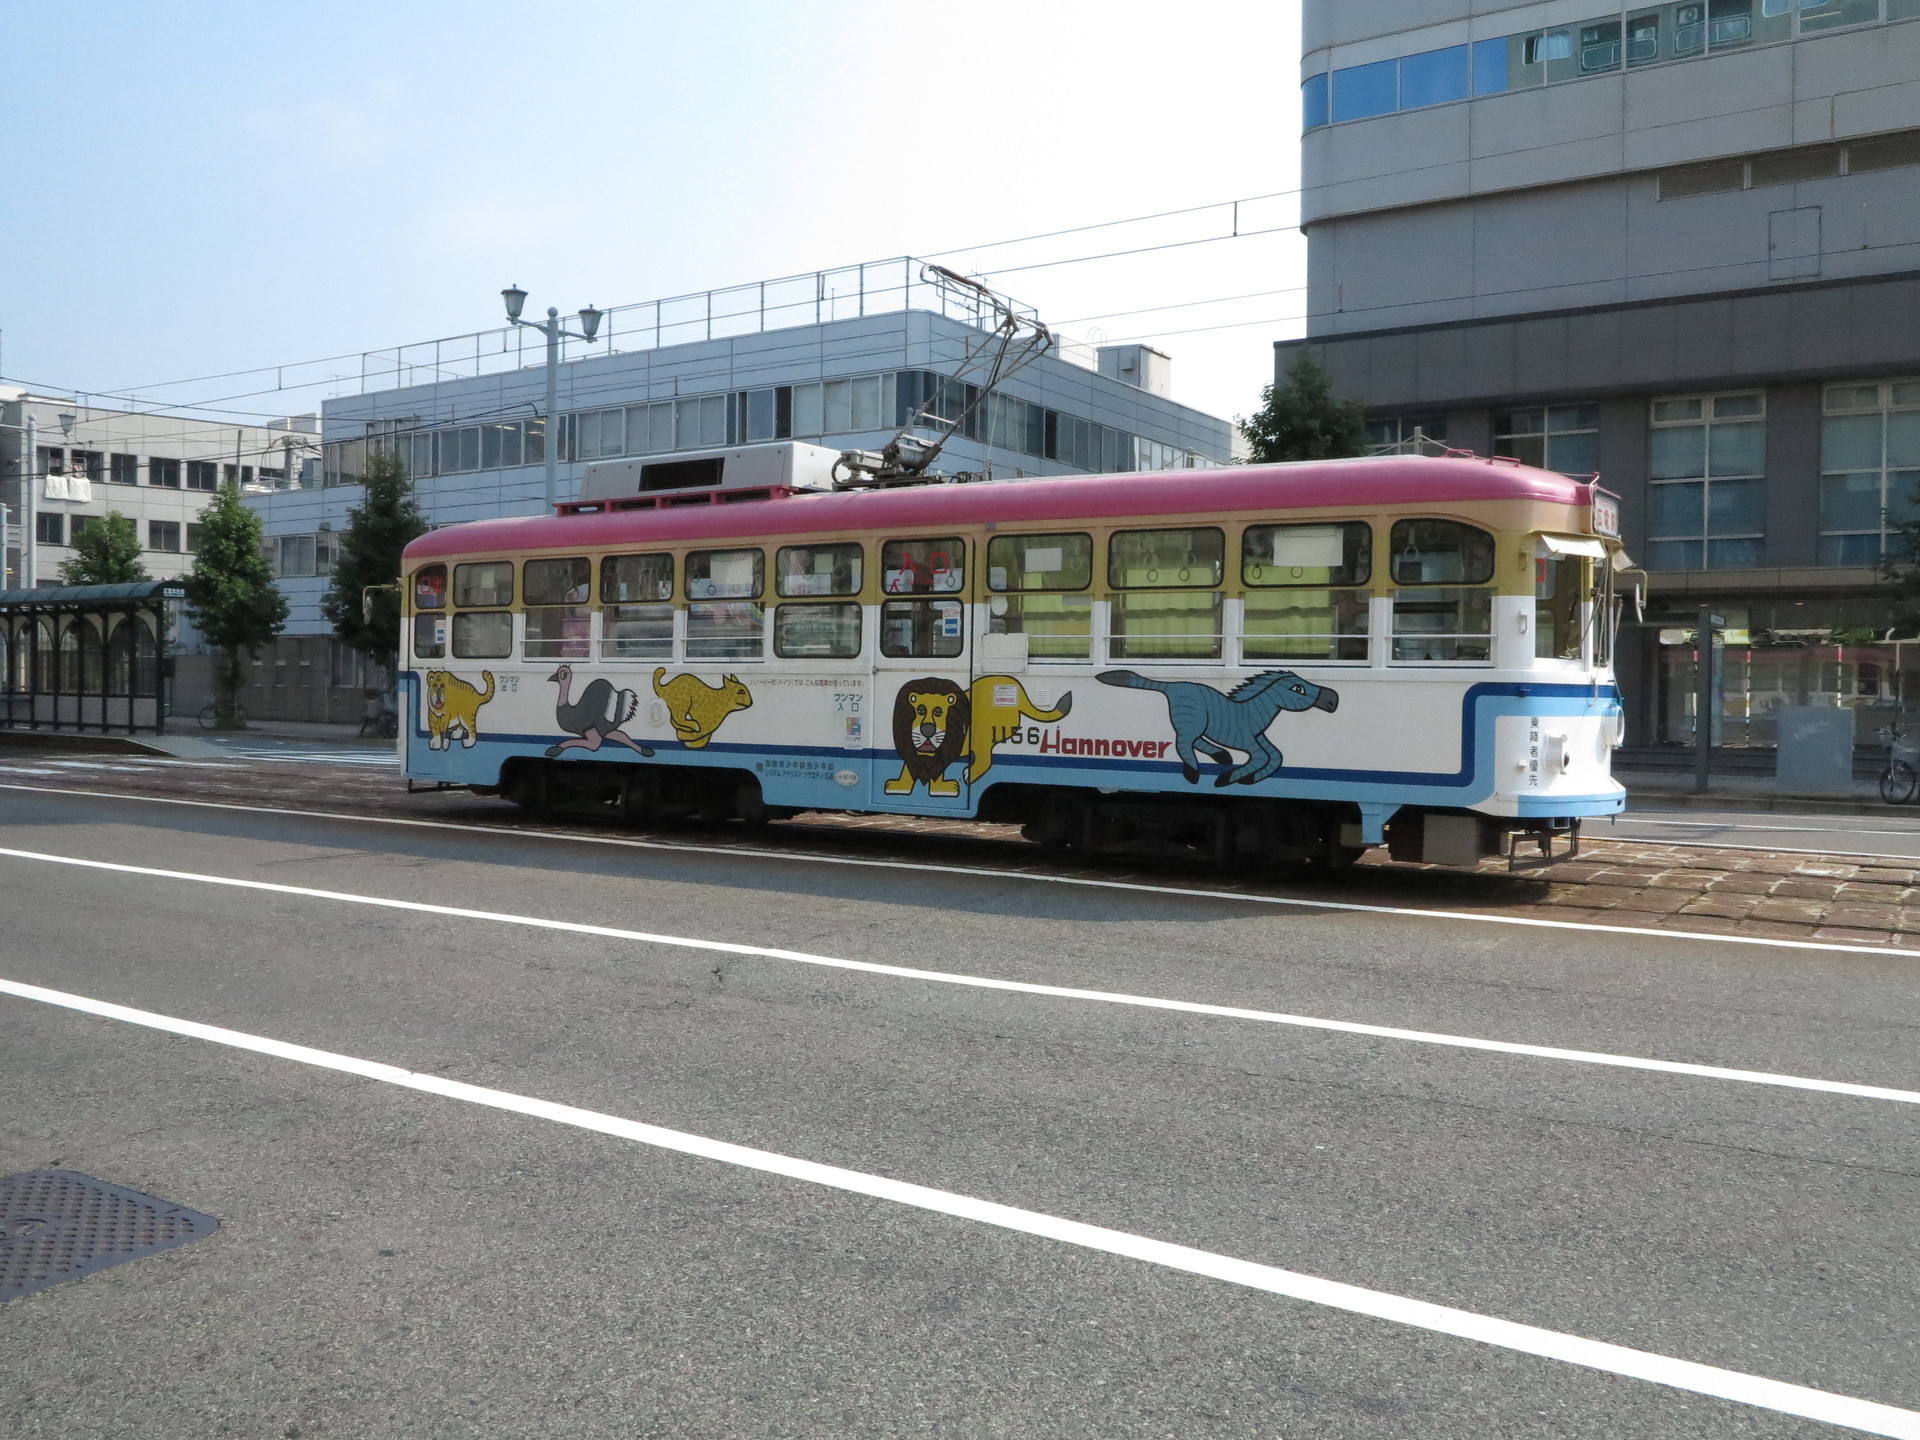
x: 1606, y: 513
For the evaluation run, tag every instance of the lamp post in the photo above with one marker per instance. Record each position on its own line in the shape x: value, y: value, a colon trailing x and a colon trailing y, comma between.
x: 554, y: 330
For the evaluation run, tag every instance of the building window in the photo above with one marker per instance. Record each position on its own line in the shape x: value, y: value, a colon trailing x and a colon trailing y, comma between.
x: 238, y: 474
x: 294, y: 556
x: 1313, y: 102
x: 1706, y: 503
x: 50, y: 528
x: 53, y: 460
x: 194, y: 535
x: 90, y: 463
x: 164, y: 472
x: 1555, y: 437
x: 124, y: 470
x: 1869, y: 468
x: 1406, y: 431
x: 1361, y: 91
x: 164, y: 535
x: 203, y: 475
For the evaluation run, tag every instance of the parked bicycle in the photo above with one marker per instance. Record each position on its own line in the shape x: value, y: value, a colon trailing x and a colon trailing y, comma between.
x: 210, y: 715
x: 1900, y: 780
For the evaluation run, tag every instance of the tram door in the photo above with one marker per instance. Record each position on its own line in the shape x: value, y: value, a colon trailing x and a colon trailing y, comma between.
x: 919, y: 706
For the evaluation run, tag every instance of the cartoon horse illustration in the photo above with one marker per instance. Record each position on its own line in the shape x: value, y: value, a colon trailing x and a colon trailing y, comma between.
x: 1211, y: 723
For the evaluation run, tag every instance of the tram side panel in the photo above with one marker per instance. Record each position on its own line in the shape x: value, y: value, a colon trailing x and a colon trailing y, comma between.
x: 1510, y: 744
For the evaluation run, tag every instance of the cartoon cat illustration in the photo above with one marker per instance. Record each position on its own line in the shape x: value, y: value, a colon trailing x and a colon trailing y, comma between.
x: 453, y: 708
x: 1208, y: 722
x: 696, y: 708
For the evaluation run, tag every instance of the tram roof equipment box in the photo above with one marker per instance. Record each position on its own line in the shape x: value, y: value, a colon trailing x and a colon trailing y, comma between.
x: 792, y: 464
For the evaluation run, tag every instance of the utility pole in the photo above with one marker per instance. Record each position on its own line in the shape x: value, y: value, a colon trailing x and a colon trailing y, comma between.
x: 551, y: 327
x: 29, y: 517
x: 1705, y: 695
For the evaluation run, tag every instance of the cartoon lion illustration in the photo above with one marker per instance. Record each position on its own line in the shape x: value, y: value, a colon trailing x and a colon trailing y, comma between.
x: 697, y: 708
x: 453, y: 707
x: 930, y: 731
x: 996, y: 706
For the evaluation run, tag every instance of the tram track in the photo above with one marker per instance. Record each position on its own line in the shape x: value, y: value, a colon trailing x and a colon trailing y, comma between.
x: 1662, y: 886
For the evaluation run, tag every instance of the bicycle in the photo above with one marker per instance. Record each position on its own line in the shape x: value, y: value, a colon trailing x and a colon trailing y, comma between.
x: 1899, y: 780
x: 210, y: 715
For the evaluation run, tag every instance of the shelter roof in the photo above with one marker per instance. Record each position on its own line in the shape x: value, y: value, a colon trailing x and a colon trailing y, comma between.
x: 85, y: 597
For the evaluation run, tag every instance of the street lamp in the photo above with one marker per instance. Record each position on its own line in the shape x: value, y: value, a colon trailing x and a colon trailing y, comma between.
x: 516, y: 299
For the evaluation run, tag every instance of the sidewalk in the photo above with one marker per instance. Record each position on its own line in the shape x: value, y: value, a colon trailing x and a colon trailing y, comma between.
x: 1760, y: 793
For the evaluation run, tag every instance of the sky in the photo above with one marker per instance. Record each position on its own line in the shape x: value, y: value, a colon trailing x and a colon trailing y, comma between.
x: 205, y: 187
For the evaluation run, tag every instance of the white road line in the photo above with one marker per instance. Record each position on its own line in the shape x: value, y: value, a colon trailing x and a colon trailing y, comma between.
x: 1903, y: 862
x: 983, y: 982
x: 1868, y: 1416
x: 800, y: 857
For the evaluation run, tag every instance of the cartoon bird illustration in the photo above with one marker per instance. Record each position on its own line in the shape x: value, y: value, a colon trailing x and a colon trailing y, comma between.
x: 596, y: 717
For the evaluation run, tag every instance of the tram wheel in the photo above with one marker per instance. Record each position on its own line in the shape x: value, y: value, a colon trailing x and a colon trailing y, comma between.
x: 1898, y: 782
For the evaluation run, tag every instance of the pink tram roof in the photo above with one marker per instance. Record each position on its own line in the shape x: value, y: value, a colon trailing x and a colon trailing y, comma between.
x: 1396, y: 480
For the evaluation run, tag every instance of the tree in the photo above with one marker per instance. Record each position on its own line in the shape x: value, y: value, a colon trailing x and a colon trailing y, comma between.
x: 1900, y: 568
x: 1302, y: 421
x: 106, y: 552
x: 231, y: 595
x: 378, y: 529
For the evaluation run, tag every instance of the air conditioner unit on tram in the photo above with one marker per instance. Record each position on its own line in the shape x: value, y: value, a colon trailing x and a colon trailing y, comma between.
x: 790, y: 463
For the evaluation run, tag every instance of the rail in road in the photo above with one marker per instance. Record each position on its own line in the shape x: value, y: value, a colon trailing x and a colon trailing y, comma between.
x: 603, y: 1134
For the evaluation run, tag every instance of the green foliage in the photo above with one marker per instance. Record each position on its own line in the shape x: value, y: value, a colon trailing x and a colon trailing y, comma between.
x: 1900, y: 569
x: 1301, y: 420
x: 107, y: 552
x: 369, y: 563
x: 231, y: 595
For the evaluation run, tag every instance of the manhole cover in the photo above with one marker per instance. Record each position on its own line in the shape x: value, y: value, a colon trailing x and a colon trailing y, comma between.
x: 58, y: 1225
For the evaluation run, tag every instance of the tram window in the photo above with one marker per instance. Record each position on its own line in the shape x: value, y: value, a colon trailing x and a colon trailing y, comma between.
x: 1057, y: 626
x: 816, y: 632
x: 1040, y: 562
x: 1336, y: 554
x: 636, y: 619
x: 1303, y: 624
x: 726, y: 574
x: 1165, y: 559
x: 1558, y: 581
x: 1166, y: 625
x: 633, y: 579
x: 482, y: 634
x: 1441, y: 552
x: 725, y: 629
x: 924, y: 567
x: 819, y: 569
x: 558, y: 618
x: 430, y: 587
x: 1443, y: 625
x: 430, y: 637
x: 931, y: 629
x: 488, y: 582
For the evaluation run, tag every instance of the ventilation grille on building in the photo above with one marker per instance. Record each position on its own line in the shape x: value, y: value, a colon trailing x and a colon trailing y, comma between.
x: 1788, y: 167
x: 58, y: 1225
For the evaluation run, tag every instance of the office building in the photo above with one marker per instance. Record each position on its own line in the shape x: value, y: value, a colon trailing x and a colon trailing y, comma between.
x: 1676, y: 244
x: 842, y: 359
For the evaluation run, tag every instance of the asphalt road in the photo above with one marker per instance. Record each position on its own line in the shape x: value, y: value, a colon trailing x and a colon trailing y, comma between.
x: 399, y: 1257
x: 1894, y: 832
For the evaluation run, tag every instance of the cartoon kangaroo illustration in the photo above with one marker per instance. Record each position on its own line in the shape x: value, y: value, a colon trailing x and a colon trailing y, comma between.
x: 697, y: 708
x: 997, y: 704
x: 1211, y: 723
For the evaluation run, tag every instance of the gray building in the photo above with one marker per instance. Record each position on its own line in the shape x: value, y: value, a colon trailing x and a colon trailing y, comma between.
x: 158, y: 470
x: 838, y: 358
x: 1676, y: 244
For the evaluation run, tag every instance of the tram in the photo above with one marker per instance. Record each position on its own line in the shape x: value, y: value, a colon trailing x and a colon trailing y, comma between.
x: 1265, y: 663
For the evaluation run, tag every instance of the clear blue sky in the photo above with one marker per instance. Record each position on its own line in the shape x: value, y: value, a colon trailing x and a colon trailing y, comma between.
x: 199, y: 187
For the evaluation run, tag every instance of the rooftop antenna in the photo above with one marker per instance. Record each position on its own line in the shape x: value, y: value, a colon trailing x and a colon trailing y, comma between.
x: 1012, y: 342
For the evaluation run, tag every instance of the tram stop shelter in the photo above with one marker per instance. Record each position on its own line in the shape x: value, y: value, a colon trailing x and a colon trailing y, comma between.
x: 86, y: 657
